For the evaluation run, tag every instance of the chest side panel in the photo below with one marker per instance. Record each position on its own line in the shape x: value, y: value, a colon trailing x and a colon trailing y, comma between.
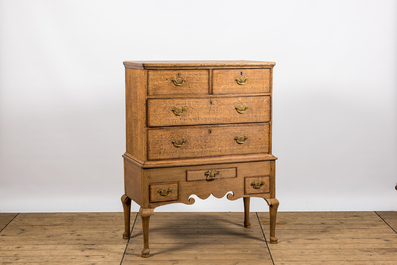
x: 136, y: 91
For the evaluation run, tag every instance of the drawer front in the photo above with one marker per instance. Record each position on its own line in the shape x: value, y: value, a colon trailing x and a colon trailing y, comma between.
x: 241, y: 81
x: 168, y: 112
x: 161, y: 192
x: 191, y: 142
x: 256, y: 185
x: 174, y: 82
x: 211, y: 174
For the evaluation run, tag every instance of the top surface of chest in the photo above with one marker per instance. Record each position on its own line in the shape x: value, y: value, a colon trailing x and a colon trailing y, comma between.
x: 196, y: 64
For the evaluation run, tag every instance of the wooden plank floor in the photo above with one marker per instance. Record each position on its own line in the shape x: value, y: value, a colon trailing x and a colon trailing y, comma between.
x: 332, y: 238
x: 63, y: 238
x: 199, y: 238
x: 5, y: 219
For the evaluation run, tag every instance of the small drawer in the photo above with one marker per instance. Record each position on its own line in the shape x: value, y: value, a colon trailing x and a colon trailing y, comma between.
x: 161, y: 192
x: 211, y: 174
x: 200, y: 141
x: 195, y: 111
x: 255, y: 185
x: 239, y: 81
x: 178, y: 82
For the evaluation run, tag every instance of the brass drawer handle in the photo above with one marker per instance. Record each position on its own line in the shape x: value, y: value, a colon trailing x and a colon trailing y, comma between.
x: 241, y: 110
x: 164, y: 192
x: 211, y: 175
x: 179, y: 143
x: 178, y: 111
x: 241, y: 139
x: 241, y: 80
x: 178, y: 81
x: 257, y: 185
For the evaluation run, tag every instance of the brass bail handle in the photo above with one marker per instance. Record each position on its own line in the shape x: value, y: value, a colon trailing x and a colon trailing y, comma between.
x: 241, y: 109
x: 164, y: 192
x: 178, y: 81
x: 179, y: 143
x: 240, y: 139
x: 178, y: 111
x: 257, y: 185
x: 211, y: 175
x: 241, y: 80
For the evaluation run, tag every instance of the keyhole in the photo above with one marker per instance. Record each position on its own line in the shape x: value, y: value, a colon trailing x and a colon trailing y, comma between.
x: 209, y: 131
x: 179, y: 75
x: 211, y: 101
x: 241, y: 73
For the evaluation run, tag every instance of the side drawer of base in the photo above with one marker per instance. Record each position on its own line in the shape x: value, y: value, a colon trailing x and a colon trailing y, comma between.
x: 162, y: 192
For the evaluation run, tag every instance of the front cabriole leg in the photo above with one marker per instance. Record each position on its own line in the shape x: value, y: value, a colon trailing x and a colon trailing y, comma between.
x: 145, y: 214
x: 273, y: 205
x: 127, y: 213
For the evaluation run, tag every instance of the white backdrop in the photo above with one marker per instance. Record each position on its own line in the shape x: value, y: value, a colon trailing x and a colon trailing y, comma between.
x: 62, y: 130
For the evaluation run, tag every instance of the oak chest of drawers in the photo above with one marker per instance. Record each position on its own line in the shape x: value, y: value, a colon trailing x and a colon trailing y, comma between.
x: 198, y: 128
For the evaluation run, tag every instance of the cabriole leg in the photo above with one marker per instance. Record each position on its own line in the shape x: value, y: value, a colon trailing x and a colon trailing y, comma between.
x: 145, y: 215
x: 273, y: 205
x: 247, y: 212
x: 127, y: 213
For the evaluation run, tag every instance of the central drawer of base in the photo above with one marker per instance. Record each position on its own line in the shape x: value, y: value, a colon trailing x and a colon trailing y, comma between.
x: 211, y: 174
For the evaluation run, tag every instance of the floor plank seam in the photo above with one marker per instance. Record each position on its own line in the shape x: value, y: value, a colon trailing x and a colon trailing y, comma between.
x: 128, y: 240
x: 9, y: 223
x: 263, y: 233
x: 386, y: 222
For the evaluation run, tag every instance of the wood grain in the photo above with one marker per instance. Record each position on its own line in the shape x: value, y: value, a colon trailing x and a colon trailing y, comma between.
x: 208, y: 111
x: 258, y: 81
x: 160, y: 82
x: 207, y: 141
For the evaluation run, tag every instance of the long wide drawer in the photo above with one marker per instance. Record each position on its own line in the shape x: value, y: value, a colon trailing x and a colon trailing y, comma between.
x: 178, y: 82
x: 169, y: 112
x: 191, y: 142
x: 238, y: 81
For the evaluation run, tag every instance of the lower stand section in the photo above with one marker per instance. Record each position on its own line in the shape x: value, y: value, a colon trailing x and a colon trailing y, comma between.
x: 145, y: 214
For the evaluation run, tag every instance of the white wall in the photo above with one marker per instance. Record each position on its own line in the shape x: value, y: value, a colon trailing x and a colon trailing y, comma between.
x: 62, y: 130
